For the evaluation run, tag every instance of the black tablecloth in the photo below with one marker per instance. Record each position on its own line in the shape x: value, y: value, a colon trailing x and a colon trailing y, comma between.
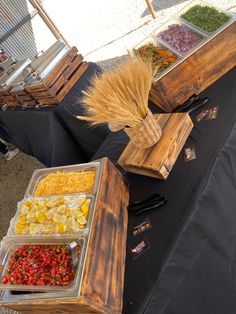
x: 190, y: 267
x: 52, y: 134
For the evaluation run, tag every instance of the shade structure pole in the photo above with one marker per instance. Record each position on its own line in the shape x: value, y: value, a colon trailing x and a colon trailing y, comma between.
x: 151, y: 9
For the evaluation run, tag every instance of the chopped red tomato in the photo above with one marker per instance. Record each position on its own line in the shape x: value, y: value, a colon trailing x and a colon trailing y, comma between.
x: 40, y: 265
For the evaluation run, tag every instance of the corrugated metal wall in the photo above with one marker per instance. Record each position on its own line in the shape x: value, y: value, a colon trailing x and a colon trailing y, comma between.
x: 21, y: 43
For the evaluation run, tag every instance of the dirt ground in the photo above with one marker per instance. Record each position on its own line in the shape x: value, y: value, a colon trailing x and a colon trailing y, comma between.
x: 14, y: 177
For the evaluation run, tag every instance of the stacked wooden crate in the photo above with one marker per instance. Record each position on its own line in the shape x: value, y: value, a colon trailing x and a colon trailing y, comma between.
x: 59, y: 82
x: 7, y: 98
x: 53, y: 88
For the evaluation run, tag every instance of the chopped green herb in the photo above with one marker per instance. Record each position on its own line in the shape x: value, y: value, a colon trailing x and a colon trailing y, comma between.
x: 207, y: 18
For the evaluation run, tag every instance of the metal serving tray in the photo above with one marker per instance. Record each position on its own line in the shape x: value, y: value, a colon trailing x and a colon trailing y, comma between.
x: 156, y: 42
x: 41, y: 173
x: 196, y: 48
x: 17, y: 296
x: 10, y: 244
x: 203, y: 3
x: 165, y: 26
x: 82, y: 232
x: 13, y: 72
x: 151, y: 39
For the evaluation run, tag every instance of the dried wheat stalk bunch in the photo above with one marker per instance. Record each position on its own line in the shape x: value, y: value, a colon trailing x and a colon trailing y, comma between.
x: 120, y: 96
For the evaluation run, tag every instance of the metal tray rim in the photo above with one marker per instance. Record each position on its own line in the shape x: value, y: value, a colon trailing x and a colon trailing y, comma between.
x: 76, y: 283
x: 150, y: 38
x: 195, y: 49
x: 202, y: 35
x: 195, y: 2
x: 82, y: 232
x: 40, y: 173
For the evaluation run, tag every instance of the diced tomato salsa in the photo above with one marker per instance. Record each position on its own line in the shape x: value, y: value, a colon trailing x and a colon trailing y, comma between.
x: 40, y: 265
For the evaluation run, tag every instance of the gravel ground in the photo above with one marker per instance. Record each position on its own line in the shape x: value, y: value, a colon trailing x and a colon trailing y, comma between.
x: 103, y: 30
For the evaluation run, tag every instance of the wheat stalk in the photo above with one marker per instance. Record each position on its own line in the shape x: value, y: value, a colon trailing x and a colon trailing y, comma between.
x: 119, y: 96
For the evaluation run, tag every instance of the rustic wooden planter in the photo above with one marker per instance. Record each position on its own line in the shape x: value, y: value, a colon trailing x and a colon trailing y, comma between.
x: 158, y: 160
x: 102, y: 285
x: 197, y: 72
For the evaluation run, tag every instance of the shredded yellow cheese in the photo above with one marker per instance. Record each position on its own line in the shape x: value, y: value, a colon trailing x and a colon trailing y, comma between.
x: 66, y: 182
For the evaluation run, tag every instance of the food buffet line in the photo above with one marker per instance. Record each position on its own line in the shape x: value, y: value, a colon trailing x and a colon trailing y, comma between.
x: 62, y: 244
x: 59, y: 250
x: 188, y: 53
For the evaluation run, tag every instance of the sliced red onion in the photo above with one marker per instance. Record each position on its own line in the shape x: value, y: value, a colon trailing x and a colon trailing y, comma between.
x: 180, y: 37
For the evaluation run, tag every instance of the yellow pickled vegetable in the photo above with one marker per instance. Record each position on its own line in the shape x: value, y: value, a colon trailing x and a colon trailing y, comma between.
x: 53, y: 215
x: 20, y: 228
x: 41, y: 217
x: 61, y: 228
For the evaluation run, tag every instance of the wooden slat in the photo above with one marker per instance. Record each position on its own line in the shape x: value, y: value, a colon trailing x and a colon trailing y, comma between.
x: 48, y: 101
x: 111, y: 211
x: 23, y: 98
x: 197, y: 72
x: 13, y: 103
x: 60, y: 67
x: 36, y: 88
x: 74, y: 78
x: 55, y: 99
x: 62, y: 80
x: 54, y: 74
x: 18, y: 91
x: 1, y: 101
x: 5, y: 91
x: 158, y: 160
x: 42, y: 95
x: 9, y: 98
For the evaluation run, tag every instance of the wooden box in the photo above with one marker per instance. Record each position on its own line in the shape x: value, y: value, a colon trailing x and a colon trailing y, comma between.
x: 54, y: 87
x: 158, y: 160
x: 197, y: 72
x: 60, y: 81
x: 102, y: 285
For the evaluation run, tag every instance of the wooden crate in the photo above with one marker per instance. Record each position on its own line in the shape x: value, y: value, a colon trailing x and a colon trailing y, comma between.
x: 102, y: 285
x: 55, y: 86
x: 59, y: 82
x: 197, y: 72
x: 158, y: 160
x: 6, y: 97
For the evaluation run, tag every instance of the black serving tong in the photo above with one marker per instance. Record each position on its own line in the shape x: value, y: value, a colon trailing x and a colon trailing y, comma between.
x: 198, y: 104
x: 187, y: 104
x: 192, y: 104
x: 152, y: 202
x: 154, y: 206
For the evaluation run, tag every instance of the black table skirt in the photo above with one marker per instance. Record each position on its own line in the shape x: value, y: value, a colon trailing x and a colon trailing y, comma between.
x: 52, y: 134
x: 190, y: 267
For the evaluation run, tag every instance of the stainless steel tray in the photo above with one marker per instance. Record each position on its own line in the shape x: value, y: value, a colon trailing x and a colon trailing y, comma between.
x: 10, y: 244
x: 13, y: 72
x: 151, y: 39
x: 41, y: 173
x: 202, y: 37
x: 71, y: 200
x: 203, y: 3
x: 196, y: 48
